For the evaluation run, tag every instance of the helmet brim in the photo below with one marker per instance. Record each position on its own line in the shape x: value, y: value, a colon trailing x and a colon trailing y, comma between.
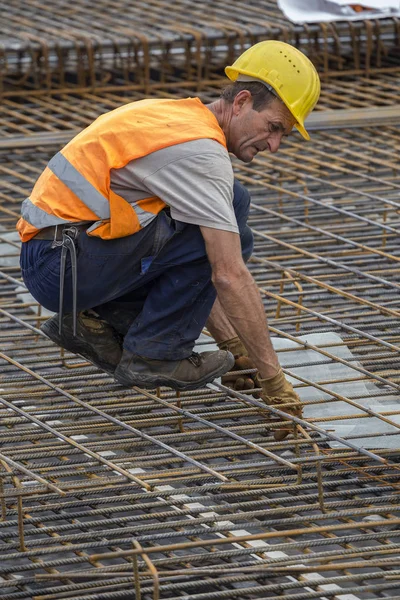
x: 303, y: 131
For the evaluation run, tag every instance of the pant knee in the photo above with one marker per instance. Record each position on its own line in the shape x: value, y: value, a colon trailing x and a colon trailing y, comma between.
x: 241, y: 201
x: 247, y: 243
x: 241, y: 204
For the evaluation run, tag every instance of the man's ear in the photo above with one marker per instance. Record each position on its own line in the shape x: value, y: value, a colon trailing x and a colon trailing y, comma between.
x: 242, y: 99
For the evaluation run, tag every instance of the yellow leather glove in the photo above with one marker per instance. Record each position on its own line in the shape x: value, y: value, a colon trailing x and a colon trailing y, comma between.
x: 278, y: 390
x: 245, y: 381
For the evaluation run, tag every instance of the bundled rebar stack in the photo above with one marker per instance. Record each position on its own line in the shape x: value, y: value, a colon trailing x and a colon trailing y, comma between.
x: 155, y: 44
x: 108, y: 492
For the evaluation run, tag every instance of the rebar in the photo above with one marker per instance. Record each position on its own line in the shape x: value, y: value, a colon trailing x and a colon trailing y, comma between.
x: 109, y: 492
x: 153, y: 45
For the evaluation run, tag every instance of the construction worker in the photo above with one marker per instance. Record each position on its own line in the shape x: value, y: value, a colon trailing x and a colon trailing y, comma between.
x: 136, y: 232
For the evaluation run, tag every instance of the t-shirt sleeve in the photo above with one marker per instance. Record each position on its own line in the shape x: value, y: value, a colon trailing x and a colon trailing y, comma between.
x: 195, y: 180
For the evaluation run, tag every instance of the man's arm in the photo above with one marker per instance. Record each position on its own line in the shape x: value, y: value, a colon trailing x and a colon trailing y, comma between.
x: 219, y: 325
x: 239, y: 298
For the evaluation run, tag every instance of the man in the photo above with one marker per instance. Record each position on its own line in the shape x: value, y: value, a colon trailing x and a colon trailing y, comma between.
x: 145, y: 203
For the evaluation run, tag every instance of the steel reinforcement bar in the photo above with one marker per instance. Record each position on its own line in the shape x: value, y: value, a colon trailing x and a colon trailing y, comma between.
x: 109, y: 492
x: 156, y: 43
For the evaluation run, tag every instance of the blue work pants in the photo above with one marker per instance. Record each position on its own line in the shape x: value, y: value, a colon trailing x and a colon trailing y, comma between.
x: 154, y: 286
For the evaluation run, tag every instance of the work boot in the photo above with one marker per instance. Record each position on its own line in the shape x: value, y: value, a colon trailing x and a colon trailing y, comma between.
x: 186, y: 374
x: 95, y: 339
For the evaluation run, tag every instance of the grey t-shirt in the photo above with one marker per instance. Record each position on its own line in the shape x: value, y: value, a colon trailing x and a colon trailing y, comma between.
x: 195, y: 179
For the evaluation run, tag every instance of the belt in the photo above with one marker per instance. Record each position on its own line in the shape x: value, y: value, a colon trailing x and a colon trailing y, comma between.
x: 55, y: 233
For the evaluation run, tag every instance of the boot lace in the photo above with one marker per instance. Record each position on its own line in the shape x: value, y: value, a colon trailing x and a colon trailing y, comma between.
x: 195, y: 359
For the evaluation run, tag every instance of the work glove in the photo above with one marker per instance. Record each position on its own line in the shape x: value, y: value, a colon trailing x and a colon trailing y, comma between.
x: 240, y: 382
x: 278, y: 390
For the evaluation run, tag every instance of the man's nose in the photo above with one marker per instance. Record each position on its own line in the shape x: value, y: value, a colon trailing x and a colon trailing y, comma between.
x: 274, y: 143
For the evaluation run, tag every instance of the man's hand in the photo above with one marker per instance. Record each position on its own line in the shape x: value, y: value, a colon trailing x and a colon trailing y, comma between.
x: 241, y: 301
x: 240, y: 298
x: 241, y: 381
x: 277, y: 391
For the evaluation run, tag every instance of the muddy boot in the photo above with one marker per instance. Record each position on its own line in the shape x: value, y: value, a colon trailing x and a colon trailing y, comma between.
x: 187, y: 374
x: 95, y: 339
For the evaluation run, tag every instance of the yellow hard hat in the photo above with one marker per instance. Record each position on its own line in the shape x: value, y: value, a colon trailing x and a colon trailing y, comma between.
x: 288, y: 71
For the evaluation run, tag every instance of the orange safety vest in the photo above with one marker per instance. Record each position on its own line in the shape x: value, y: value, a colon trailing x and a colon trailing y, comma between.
x: 75, y: 185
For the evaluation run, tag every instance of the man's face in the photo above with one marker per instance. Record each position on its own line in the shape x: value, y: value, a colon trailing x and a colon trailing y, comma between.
x: 251, y: 131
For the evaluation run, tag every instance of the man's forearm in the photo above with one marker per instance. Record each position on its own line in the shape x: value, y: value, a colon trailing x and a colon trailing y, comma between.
x: 241, y: 303
x: 219, y: 325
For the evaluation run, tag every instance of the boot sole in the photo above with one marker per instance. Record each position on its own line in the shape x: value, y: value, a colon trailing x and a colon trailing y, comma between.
x: 50, y: 329
x: 152, y: 381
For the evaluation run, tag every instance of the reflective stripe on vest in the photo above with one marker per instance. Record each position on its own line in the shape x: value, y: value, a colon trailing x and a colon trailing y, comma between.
x: 65, y: 194
x: 79, y: 185
x: 38, y: 217
x: 143, y: 215
x: 86, y: 192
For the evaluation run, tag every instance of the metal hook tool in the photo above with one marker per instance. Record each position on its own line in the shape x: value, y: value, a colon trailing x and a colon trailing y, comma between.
x: 67, y: 244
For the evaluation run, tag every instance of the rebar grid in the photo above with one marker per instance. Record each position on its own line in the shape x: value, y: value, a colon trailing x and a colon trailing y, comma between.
x: 215, y: 506
x: 34, y: 129
x: 154, y: 43
x: 55, y: 118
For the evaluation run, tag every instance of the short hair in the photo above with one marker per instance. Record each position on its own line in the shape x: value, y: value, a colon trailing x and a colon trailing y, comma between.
x: 262, y: 96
